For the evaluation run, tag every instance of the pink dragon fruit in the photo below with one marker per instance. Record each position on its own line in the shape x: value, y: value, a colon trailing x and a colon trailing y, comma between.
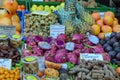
x: 62, y: 37
x: 38, y: 39
x: 37, y: 51
x: 77, y: 38
x: 79, y: 46
x: 77, y: 52
x: 98, y: 49
x: 60, y: 58
x: 60, y: 43
x: 50, y: 40
x: 72, y: 58
x: 49, y: 55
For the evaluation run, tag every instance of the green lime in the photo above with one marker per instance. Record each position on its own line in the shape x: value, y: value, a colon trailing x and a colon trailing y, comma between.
x: 3, y: 36
x: 31, y: 78
x: 30, y: 59
x: 16, y: 36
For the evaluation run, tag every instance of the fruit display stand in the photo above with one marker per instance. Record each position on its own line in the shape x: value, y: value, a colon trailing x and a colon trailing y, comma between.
x: 70, y: 50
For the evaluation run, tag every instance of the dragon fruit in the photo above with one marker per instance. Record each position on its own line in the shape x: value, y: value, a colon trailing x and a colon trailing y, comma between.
x: 60, y: 43
x: 87, y: 50
x: 77, y: 38
x: 26, y: 52
x: 88, y: 42
x: 72, y: 58
x: 79, y: 46
x: 98, y: 49
x: 38, y: 39
x: 49, y: 55
x: 50, y: 40
x: 37, y: 51
x: 60, y: 58
x: 77, y: 52
x: 32, y: 43
x: 29, y: 39
x: 62, y: 51
x: 53, y: 47
x: 62, y: 37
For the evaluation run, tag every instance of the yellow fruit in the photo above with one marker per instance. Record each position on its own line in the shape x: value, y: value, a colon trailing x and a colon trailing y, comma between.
x: 95, y: 29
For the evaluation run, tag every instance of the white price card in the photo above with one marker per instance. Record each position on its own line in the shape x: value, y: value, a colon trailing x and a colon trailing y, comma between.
x: 7, y: 30
x: 87, y: 56
x: 6, y: 63
x: 55, y: 30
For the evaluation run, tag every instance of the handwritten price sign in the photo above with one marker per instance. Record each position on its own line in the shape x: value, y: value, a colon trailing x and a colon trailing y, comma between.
x: 55, y: 30
x: 87, y: 56
x: 6, y: 63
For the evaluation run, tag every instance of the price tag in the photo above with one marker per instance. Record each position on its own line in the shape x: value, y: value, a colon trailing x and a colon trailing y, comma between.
x: 55, y: 30
x: 7, y: 30
x: 87, y: 56
x: 6, y: 63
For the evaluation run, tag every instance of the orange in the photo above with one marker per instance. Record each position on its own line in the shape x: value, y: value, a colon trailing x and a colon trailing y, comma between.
x: 22, y: 6
x: 115, y: 19
x: 115, y: 23
x: 100, y: 22
x: 106, y: 29
x: 109, y: 13
x: 96, y: 16
x: 116, y: 28
x: 101, y: 35
x: 95, y: 29
x: 108, y: 20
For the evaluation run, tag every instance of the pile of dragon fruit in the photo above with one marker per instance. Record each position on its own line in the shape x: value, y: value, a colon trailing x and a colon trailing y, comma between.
x: 62, y: 49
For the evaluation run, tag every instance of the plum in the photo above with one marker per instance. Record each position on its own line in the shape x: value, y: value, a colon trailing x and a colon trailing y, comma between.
x: 108, y: 48
x: 112, y: 54
x: 117, y: 49
x: 118, y: 56
x: 118, y: 35
x: 116, y: 44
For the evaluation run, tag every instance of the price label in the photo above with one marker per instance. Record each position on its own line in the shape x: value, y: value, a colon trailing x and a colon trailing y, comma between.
x: 87, y: 56
x: 6, y: 63
x: 7, y: 30
x: 55, y: 30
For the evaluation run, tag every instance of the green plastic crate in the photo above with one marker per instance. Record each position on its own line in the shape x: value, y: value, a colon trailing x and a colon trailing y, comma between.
x: 101, y: 8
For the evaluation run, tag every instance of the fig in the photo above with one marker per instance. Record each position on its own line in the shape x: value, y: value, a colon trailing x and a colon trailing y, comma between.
x: 116, y: 44
x: 117, y: 49
x: 112, y: 54
x: 118, y: 56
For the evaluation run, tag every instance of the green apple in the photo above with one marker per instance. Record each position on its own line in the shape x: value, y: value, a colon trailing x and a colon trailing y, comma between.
x: 62, y: 4
x: 40, y: 8
x: 35, y: 6
x: 58, y: 7
x: 33, y: 9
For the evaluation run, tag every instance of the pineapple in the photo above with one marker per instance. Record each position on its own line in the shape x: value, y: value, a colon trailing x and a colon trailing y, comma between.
x: 83, y: 14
